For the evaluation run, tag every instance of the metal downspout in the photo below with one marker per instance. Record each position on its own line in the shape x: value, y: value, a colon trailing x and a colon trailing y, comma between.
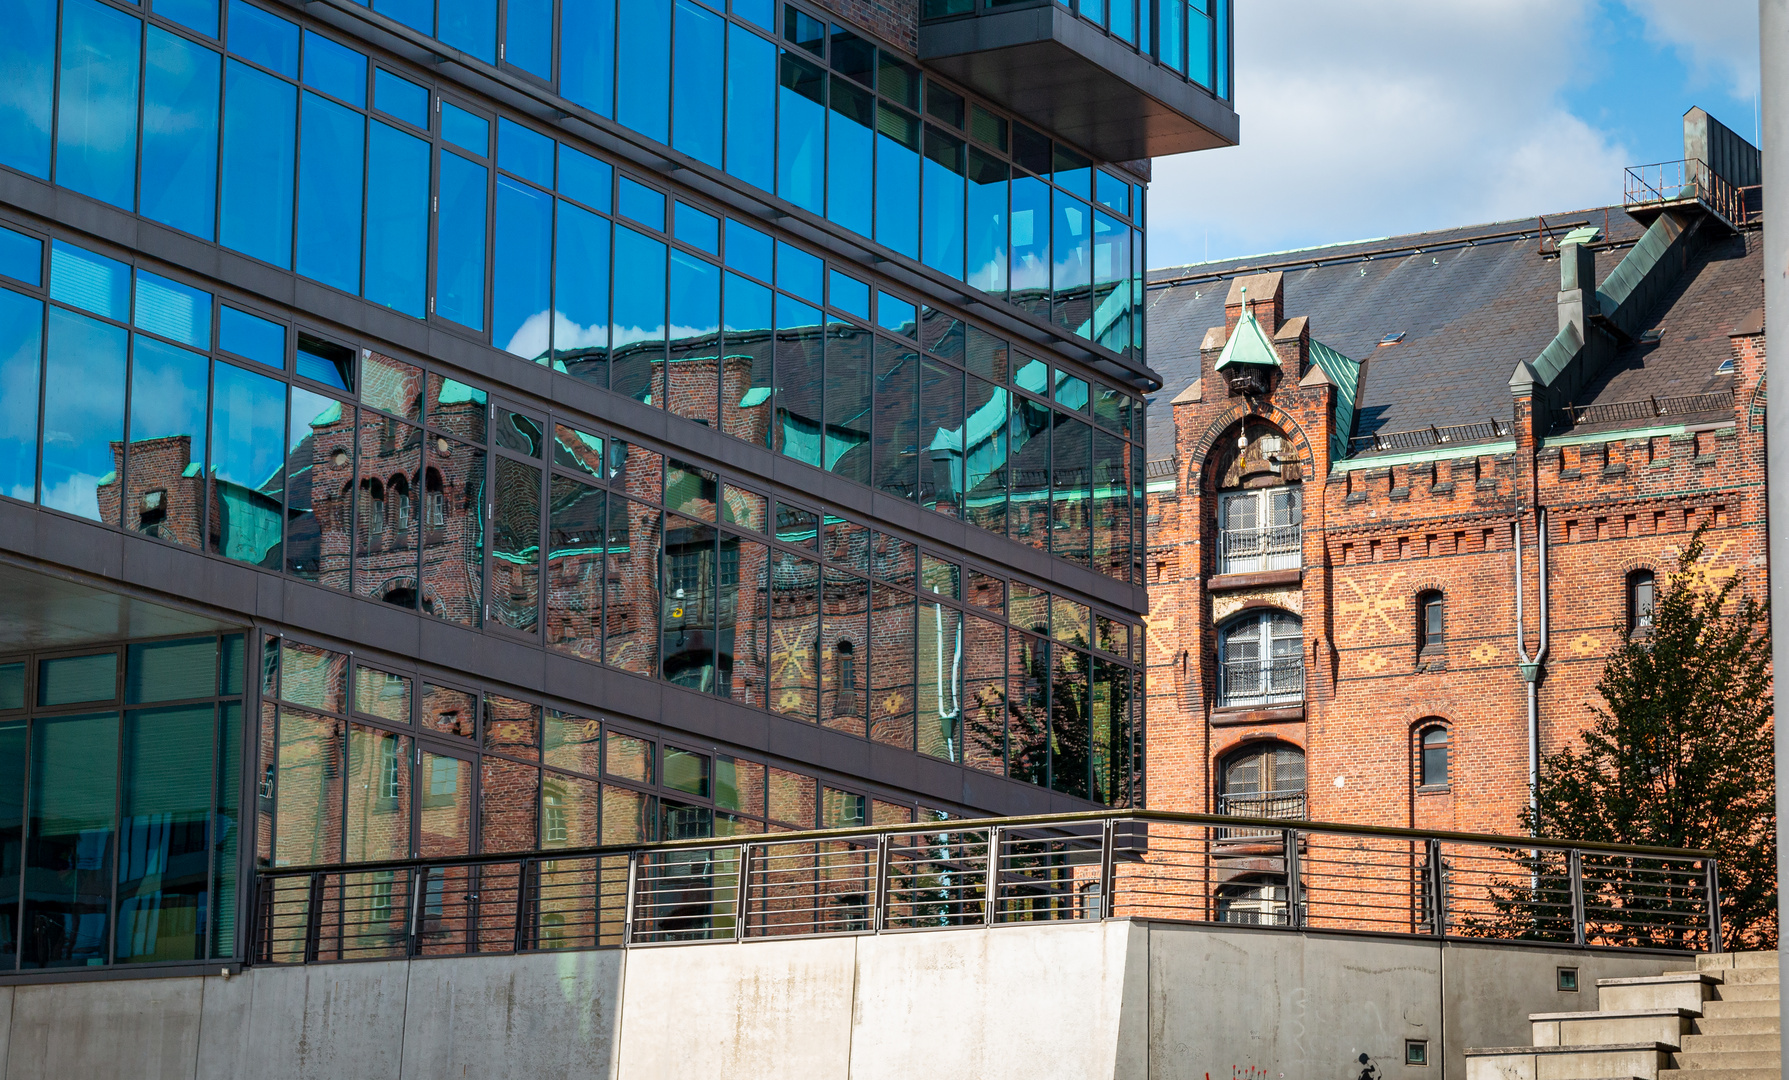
x: 1533, y: 667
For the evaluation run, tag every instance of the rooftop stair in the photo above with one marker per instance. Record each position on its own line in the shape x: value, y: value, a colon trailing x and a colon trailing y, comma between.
x: 1718, y: 1020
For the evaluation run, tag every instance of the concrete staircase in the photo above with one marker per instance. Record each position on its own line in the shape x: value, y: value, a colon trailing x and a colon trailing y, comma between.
x: 1718, y: 1020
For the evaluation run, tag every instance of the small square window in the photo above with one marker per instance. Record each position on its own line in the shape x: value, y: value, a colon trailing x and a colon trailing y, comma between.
x: 1568, y: 980
x: 1416, y: 1051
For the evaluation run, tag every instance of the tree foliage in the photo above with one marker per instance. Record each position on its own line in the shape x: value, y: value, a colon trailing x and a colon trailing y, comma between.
x: 1681, y: 752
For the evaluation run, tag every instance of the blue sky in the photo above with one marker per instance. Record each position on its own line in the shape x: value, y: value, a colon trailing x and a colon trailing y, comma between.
x: 1367, y: 118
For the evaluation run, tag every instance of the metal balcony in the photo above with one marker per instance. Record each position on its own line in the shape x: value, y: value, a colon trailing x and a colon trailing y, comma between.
x: 1080, y: 77
x: 1254, y: 682
x: 1248, y: 551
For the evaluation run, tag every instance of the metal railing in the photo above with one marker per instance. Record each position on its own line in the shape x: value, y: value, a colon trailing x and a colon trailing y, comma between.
x: 1269, y: 805
x: 985, y: 873
x: 1267, y: 547
x: 1256, y: 682
x: 1419, y: 438
x: 1683, y: 181
x: 1612, y: 412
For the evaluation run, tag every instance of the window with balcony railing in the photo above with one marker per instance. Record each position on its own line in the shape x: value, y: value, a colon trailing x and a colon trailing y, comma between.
x: 1261, y: 659
x: 1260, y: 530
x: 1262, y: 780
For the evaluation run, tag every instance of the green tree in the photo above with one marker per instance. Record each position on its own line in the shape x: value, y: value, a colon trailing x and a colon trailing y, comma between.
x: 1680, y: 755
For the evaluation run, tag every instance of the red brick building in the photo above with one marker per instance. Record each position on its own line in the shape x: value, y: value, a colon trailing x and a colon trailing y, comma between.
x: 1362, y: 436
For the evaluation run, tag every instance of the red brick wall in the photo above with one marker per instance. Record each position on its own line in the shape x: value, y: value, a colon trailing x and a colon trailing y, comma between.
x: 895, y: 21
x: 1374, y: 539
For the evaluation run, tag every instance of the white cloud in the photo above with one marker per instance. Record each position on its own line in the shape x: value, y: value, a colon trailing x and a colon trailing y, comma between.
x: 1718, y: 39
x: 1384, y: 117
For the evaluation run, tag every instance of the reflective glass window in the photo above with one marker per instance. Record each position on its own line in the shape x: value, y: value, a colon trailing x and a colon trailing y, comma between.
x: 460, y: 242
x: 252, y: 337
x: 334, y: 69
x: 521, y: 276
x: 895, y: 446
x: 584, y: 178
x: 21, y: 256
x: 695, y: 355
x: 21, y: 346
x: 470, y: 25
x: 417, y: 14
x: 163, y: 842
x: 897, y: 180
x: 12, y: 687
x: 941, y: 245
x: 697, y: 228
x: 1173, y: 35
x: 587, y: 54
x: 575, y: 534
x: 1112, y: 193
x: 28, y: 56
x: 397, y: 249
x: 893, y: 313
x: 637, y: 325
x: 696, y: 91
x: 628, y: 758
x: 89, y: 281
x: 849, y: 376
x: 745, y: 397
x: 506, y: 807
x: 326, y: 362
x: 985, y: 442
x: 12, y: 813
x: 1072, y: 264
x: 71, y: 680
x: 515, y: 552
x: 260, y: 137
x: 453, y: 544
x: 96, y: 105
x: 68, y: 865
x: 528, y: 36
x: 1031, y: 245
x: 799, y: 339
x: 1198, y: 44
x: 800, y: 273
x: 264, y: 38
x: 179, y: 167
x: 641, y: 203
x: 166, y: 447
x: 1111, y: 306
x: 248, y: 424
x: 643, y: 67
x: 173, y: 310
x: 581, y: 294
x: 941, y: 427
x: 801, y: 133
x: 525, y: 152
x: 848, y: 295
x: 762, y: 12
x: 986, y: 213
x: 751, y: 108
x: 83, y: 413
x: 748, y: 250
x: 397, y: 96
x: 850, y: 156
x: 330, y: 168
x: 466, y: 130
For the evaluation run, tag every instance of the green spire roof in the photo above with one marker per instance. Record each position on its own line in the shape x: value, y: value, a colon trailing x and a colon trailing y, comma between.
x: 1248, y: 345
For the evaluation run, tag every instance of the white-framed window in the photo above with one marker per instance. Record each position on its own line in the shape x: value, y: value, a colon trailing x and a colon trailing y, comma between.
x: 1260, y: 529
x: 1261, y: 659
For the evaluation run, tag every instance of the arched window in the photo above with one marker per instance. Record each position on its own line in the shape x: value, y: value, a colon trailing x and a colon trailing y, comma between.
x: 844, y: 660
x: 1260, y: 502
x: 1642, y: 589
x: 1261, y: 659
x: 1431, y: 624
x: 1432, y: 756
x: 1264, y: 779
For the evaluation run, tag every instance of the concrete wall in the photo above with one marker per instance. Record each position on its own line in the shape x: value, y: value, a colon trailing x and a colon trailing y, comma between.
x: 1125, y: 1000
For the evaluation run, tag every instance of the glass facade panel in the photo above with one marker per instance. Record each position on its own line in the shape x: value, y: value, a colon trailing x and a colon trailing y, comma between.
x: 460, y: 242
x: 96, y: 134
x: 696, y: 91
x: 73, y: 842
x: 164, y: 836
x: 246, y: 481
x: 21, y: 346
x: 643, y: 67
x: 521, y: 284
x: 397, y: 220
x: 27, y: 55
x: 83, y: 414
x: 180, y: 128
x: 260, y: 122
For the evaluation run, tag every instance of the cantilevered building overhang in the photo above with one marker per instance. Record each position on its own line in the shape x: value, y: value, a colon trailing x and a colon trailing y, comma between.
x: 1124, y: 92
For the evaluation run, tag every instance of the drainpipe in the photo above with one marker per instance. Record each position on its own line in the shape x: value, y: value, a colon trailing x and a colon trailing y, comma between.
x: 1532, y: 668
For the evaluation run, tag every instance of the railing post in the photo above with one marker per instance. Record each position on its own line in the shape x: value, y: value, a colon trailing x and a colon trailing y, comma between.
x: 1107, y: 872
x: 522, y: 919
x: 879, y: 887
x: 313, y: 920
x: 1577, y: 879
x: 627, y: 910
x: 992, y: 889
x: 419, y: 891
x: 1713, y: 876
x: 742, y: 891
x: 1294, y: 884
x: 1437, y: 885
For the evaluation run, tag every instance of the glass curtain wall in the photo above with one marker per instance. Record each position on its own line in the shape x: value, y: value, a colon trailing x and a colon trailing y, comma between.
x: 286, y: 145
x: 120, y: 795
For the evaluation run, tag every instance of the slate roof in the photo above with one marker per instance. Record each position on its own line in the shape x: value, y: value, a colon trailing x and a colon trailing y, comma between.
x: 1472, y: 303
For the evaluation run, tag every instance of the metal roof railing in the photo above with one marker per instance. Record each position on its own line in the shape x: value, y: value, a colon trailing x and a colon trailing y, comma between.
x: 1650, y: 408
x: 1419, y: 438
x: 990, y: 873
x: 1688, y: 180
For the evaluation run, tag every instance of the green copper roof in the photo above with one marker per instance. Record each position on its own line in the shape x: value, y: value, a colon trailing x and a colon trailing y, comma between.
x: 1248, y: 345
x: 1345, y: 373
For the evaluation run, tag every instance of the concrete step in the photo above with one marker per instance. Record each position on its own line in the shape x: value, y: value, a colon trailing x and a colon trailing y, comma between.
x: 1642, y: 1060
x: 1669, y: 1026
x: 1728, y: 1059
x: 1748, y: 976
x: 1746, y: 992
x: 1727, y: 1010
x: 1677, y: 990
x: 1722, y: 1074
x: 1717, y: 961
x: 1737, y: 1025
x: 1718, y: 1044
